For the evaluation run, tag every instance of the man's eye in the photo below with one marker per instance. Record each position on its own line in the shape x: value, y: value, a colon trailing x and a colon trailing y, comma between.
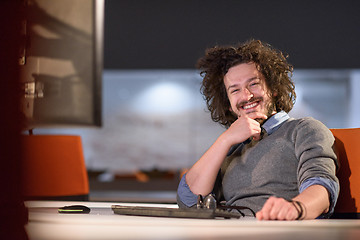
x: 235, y: 90
x: 254, y: 84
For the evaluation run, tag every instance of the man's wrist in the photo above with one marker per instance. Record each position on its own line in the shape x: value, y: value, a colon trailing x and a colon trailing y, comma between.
x: 300, y: 208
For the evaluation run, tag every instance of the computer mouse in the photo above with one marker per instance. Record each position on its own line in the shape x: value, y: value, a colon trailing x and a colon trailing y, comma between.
x: 74, y: 209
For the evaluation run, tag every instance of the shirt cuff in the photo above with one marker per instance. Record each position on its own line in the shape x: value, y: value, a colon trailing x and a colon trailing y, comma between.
x: 184, y: 194
x: 331, y: 186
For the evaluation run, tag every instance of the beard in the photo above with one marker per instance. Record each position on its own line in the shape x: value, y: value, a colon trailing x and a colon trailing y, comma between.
x: 270, y: 108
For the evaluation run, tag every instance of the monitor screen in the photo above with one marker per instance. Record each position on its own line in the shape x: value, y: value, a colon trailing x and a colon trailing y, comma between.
x: 61, y: 63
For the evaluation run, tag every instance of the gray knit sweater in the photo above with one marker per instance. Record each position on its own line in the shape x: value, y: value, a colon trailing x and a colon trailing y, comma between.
x: 278, y: 164
x: 284, y: 163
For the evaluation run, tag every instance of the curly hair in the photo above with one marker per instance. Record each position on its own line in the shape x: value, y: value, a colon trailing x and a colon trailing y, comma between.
x: 270, y: 62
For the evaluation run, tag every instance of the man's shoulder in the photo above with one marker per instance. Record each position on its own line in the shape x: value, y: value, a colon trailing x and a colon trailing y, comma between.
x: 304, y: 124
x: 304, y: 121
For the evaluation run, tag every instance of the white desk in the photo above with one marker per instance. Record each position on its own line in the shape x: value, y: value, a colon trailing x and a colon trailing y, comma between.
x: 101, y: 223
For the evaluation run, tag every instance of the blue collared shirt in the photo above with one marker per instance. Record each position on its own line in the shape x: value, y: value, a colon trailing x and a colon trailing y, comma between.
x: 270, y: 126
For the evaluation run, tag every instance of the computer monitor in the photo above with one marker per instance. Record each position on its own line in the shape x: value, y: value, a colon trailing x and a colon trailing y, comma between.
x: 61, y: 63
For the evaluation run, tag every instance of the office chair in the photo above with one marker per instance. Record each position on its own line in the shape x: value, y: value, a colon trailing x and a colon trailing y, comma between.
x: 53, y: 168
x: 347, y: 147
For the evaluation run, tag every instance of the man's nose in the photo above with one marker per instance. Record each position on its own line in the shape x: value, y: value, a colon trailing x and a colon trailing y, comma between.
x: 246, y: 94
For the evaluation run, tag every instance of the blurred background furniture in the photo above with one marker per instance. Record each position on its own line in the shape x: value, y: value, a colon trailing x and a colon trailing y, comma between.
x: 347, y: 145
x: 53, y: 168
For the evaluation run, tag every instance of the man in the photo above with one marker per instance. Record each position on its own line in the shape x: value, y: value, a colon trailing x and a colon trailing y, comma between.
x: 281, y: 168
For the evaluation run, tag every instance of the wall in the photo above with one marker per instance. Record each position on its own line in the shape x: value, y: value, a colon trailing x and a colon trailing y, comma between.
x: 173, y: 34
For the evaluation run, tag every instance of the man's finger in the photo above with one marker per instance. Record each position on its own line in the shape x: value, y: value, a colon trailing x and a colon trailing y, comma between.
x: 267, y: 208
x: 259, y: 215
x: 257, y: 115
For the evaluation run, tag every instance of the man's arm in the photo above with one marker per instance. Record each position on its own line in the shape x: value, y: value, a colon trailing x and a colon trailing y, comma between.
x: 314, y: 201
x: 201, y: 177
x: 319, y: 186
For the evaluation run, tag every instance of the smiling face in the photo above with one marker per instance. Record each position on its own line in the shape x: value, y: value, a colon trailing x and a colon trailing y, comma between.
x: 247, y: 91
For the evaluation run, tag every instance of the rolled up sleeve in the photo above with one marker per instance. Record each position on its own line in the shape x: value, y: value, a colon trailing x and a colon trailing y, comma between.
x: 332, y: 187
x: 185, y: 198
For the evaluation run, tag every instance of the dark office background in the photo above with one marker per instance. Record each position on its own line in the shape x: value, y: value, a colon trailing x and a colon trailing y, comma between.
x: 173, y: 34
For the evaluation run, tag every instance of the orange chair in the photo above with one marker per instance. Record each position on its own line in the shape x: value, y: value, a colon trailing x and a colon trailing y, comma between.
x: 53, y: 168
x: 347, y: 146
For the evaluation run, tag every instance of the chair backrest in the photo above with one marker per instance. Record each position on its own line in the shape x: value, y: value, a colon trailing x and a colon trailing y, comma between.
x: 53, y: 167
x: 347, y: 146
